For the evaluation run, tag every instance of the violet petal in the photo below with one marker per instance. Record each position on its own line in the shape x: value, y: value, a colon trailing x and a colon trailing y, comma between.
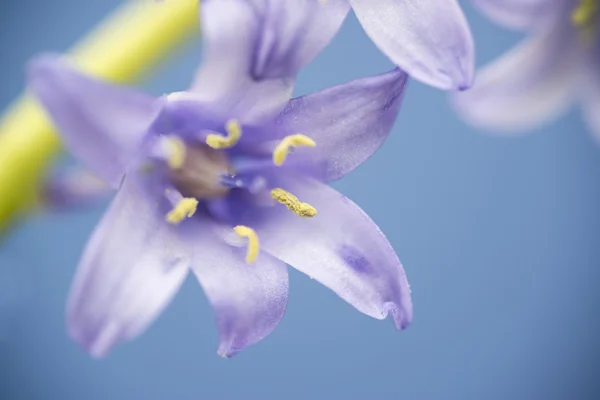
x: 249, y: 299
x: 132, y: 266
x: 101, y: 124
x: 231, y: 30
x: 348, y: 122
x: 429, y: 39
x: 341, y: 247
x: 253, y: 50
x: 293, y: 33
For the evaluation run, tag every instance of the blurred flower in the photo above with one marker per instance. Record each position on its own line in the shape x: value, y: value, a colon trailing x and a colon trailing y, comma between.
x: 429, y: 39
x: 211, y: 179
x: 558, y: 64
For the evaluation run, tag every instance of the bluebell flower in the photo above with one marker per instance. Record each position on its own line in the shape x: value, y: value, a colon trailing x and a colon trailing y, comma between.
x: 228, y: 180
x: 558, y: 64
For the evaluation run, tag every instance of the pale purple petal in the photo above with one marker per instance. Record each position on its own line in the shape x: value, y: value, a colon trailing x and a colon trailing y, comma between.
x: 348, y: 122
x: 101, y: 124
x: 189, y: 116
x: 249, y: 299
x: 253, y: 50
x: 527, y: 86
x: 294, y: 32
x: 429, y: 39
x: 519, y: 14
x: 341, y: 247
x: 231, y: 30
x: 132, y: 266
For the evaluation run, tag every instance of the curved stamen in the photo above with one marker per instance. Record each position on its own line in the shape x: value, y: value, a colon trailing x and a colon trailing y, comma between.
x: 185, y: 208
x: 253, y: 243
x: 283, y: 148
x: 299, y: 208
x: 234, y: 133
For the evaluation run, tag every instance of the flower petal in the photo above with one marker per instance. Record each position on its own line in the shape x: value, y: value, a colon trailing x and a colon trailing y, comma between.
x: 518, y: 14
x: 187, y: 115
x: 131, y: 268
x: 101, y: 124
x: 294, y: 32
x: 254, y: 49
x: 342, y: 248
x: 530, y: 84
x: 348, y: 122
x: 429, y: 39
x: 249, y: 299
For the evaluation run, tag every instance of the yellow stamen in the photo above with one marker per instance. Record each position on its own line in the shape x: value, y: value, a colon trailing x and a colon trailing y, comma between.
x: 176, y: 152
x: 283, y: 148
x: 185, y: 208
x: 293, y: 204
x: 234, y: 133
x: 585, y: 13
x: 253, y: 243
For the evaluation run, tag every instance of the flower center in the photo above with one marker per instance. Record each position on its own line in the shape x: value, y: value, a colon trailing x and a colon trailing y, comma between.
x: 198, y: 171
x: 202, y: 172
x: 585, y: 18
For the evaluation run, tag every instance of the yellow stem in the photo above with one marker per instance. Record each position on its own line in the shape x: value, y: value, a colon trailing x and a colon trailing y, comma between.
x: 121, y: 49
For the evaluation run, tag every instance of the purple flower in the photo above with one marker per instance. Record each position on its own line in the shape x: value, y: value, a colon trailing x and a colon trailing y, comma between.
x: 558, y: 64
x: 227, y: 180
x: 429, y: 39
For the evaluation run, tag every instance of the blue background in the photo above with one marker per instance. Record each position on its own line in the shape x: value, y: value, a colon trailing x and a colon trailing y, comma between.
x: 499, y: 237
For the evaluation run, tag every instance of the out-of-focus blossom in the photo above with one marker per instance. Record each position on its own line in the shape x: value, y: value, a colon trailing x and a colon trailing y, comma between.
x: 228, y: 180
x: 559, y: 63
